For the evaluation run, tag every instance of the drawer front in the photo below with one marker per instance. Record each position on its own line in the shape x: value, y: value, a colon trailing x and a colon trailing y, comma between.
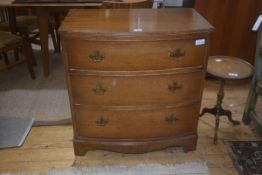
x: 131, y: 55
x: 140, y: 90
x: 128, y: 124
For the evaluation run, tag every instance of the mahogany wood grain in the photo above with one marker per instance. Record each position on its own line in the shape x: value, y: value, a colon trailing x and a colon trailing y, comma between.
x: 94, y: 22
x: 121, y: 124
x: 133, y: 89
x: 82, y: 145
x: 136, y: 90
x: 9, y: 3
x: 120, y: 55
x: 112, y: 4
x: 233, y: 21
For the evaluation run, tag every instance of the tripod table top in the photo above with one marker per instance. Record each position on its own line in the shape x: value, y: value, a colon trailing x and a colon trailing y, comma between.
x: 229, y: 68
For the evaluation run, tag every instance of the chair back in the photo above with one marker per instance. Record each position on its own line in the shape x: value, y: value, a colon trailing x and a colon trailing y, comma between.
x: 115, y: 4
x: 258, y: 57
x: 4, y: 24
x: 3, y: 15
x: 188, y: 3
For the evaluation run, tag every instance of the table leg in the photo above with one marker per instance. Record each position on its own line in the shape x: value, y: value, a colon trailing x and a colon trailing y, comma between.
x: 42, y: 17
x: 220, y: 96
x: 218, y: 110
x: 228, y: 113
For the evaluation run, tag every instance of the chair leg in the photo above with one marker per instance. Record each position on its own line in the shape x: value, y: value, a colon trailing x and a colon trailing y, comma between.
x: 16, y: 53
x: 6, y: 59
x: 54, y: 38
x: 58, y: 40
x: 28, y: 53
x: 57, y: 25
x: 24, y: 32
x: 251, y: 102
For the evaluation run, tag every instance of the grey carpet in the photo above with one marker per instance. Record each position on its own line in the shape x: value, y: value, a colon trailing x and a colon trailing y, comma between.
x: 43, y: 99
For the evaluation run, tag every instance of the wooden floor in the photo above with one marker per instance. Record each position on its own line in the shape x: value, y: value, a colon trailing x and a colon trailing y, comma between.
x: 51, y: 147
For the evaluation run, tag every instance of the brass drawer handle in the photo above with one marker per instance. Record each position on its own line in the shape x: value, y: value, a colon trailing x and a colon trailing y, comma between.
x: 177, y: 54
x: 174, y: 87
x: 99, y: 89
x: 101, y: 121
x: 97, y: 56
x: 171, y: 119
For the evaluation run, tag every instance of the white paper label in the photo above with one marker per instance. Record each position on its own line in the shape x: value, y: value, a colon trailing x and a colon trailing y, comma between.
x: 257, y: 24
x: 199, y: 42
x: 233, y: 74
x: 218, y: 60
x: 138, y: 30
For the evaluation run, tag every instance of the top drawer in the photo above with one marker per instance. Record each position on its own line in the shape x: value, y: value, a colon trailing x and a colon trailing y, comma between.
x: 134, y: 55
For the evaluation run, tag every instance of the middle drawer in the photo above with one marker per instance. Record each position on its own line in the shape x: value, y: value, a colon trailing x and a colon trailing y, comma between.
x: 136, y: 90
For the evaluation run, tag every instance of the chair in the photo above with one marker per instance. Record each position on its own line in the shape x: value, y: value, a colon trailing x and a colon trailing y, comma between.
x: 255, y: 90
x: 114, y: 4
x: 27, y: 26
x: 9, y: 42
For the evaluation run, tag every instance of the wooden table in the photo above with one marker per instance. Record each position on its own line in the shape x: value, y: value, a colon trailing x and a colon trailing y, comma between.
x: 225, y: 68
x: 42, y: 11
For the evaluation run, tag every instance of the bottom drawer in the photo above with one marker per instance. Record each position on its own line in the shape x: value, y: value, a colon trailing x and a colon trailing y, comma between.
x: 133, y: 124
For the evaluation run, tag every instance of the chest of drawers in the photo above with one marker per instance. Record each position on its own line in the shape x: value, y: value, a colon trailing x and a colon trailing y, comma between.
x: 135, y: 77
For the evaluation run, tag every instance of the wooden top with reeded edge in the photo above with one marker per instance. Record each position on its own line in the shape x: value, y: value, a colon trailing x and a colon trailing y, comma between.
x: 226, y: 67
x: 9, y: 3
x: 66, y: 3
x: 103, y: 22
